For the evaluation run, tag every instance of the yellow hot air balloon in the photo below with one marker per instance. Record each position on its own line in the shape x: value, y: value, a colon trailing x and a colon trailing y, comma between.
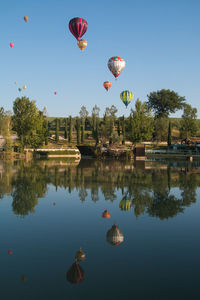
x: 25, y: 18
x: 82, y: 44
x: 24, y: 87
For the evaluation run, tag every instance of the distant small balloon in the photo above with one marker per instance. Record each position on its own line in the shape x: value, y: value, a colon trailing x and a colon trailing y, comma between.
x: 55, y: 93
x: 24, y: 278
x: 106, y: 214
x: 11, y: 45
x: 19, y: 89
x: 54, y: 203
x: 25, y: 18
x: 10, y: 252
x: 24, y: 87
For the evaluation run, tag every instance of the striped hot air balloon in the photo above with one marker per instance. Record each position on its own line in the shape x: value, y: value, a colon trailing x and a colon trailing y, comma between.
x: 126, y: 97
x: 78, y: 27
x: 125, y: 204
x: 114, y: 236
x: 116, y: 65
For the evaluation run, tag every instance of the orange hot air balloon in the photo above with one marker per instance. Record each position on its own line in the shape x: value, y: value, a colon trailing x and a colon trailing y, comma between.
x: 107, y: 85
x: 106, y: 214
x: 25, y: 18
x: 82, y: 44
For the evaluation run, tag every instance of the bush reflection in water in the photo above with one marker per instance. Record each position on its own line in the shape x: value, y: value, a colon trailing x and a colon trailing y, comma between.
x: 146, y: 188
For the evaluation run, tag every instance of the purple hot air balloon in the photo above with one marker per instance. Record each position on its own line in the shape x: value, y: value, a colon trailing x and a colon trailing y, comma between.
x: 78, y: 27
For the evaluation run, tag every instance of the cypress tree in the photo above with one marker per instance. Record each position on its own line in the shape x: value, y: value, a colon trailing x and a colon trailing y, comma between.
x: 169, y: 140
x: 70, y: 130
x: 123, y: 131
x: 65, y: 135
x: 118, y: 127
x: 57, y: 130
x: 78, y: 129
x: 82, y: 134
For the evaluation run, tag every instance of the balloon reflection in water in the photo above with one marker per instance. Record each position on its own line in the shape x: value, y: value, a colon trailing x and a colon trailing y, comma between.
x: 114, y: 236
x: 24, y: 278
x: 125, y: 204
x: 80, y: 255
x: 106, y: 214
x: 75, y: 274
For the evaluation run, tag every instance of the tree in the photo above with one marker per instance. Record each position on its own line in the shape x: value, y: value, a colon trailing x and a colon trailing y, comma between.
x: 83, y: 113
x: 123, y: 131
x: 160, y: 129
x: 188, y: 126
x: 82, y: 133
x: 169, y: 140
x: 78, y: 130
x: 164, y: 102
x: 141, y: 123
x: 5, y: 128
x: 26, y: 121
x: 57, y: 131
x: 46, y: 131
x: 70, y: 130
x: 65, y: 135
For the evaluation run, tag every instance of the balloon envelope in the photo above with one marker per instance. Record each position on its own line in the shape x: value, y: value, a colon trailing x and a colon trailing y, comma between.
x: 80, y: 255
x: 78, y: 27
x: 75, y: 274
x: 107, y: 85
x: 116, y: 65
x: 114, y: 236
x: 106, y: 214
x: 126, y: 97
x: 24, y: 87
x: 82, y: 44
x: 11, y: 45
x: 125, y: 204
x: 25, y: 18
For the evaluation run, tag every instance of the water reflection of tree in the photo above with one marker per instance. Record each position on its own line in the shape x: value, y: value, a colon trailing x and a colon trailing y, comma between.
x: 29, y: 185
x: 149, y: 189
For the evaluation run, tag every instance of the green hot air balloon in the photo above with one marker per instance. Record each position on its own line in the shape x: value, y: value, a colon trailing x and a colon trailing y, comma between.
x: 125, y: 204
x: 126, y: 97
x: 19, y: 89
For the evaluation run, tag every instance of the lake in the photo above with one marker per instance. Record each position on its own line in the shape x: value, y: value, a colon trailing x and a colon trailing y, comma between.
x: 51, y: 208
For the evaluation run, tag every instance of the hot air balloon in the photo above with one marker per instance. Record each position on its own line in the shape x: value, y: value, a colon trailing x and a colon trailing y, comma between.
x: 11, y: 45
x: 75, y: 274
x: 80, y: 255
x: 116, y: 65
x: 55, y: 93
x: 114, y: 236
x: 10, y: 252
x: 82, y: 44
x: 126, y: 97
x: 19, y: 89
x: 24, y: 87
x: 24, y: 278
x: 107, y: 85
x: 25, y: 18
x: 106, y: 214
x: 125, y: 204
x: 78, y: 27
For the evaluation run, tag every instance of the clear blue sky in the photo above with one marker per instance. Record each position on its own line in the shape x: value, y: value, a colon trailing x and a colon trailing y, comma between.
x: 160, y: 41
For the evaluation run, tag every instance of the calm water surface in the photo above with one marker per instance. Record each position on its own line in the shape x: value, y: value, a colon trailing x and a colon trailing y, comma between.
x: 49, y: 209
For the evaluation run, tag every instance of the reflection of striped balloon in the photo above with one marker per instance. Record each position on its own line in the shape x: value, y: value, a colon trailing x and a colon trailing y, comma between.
x: 125, y: 204
x: 126, y: 97
x: 116, y: 65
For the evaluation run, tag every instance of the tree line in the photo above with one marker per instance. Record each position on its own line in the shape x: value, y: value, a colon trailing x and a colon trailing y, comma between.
x: 148, y: 121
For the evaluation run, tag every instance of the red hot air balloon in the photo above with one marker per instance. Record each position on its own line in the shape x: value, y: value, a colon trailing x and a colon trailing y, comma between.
x: 78, y: 27
x: 11, y: 45
x: 55, y: 93
x: 106, y: 214
x: 75, y: 274
x: 10, y: 252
